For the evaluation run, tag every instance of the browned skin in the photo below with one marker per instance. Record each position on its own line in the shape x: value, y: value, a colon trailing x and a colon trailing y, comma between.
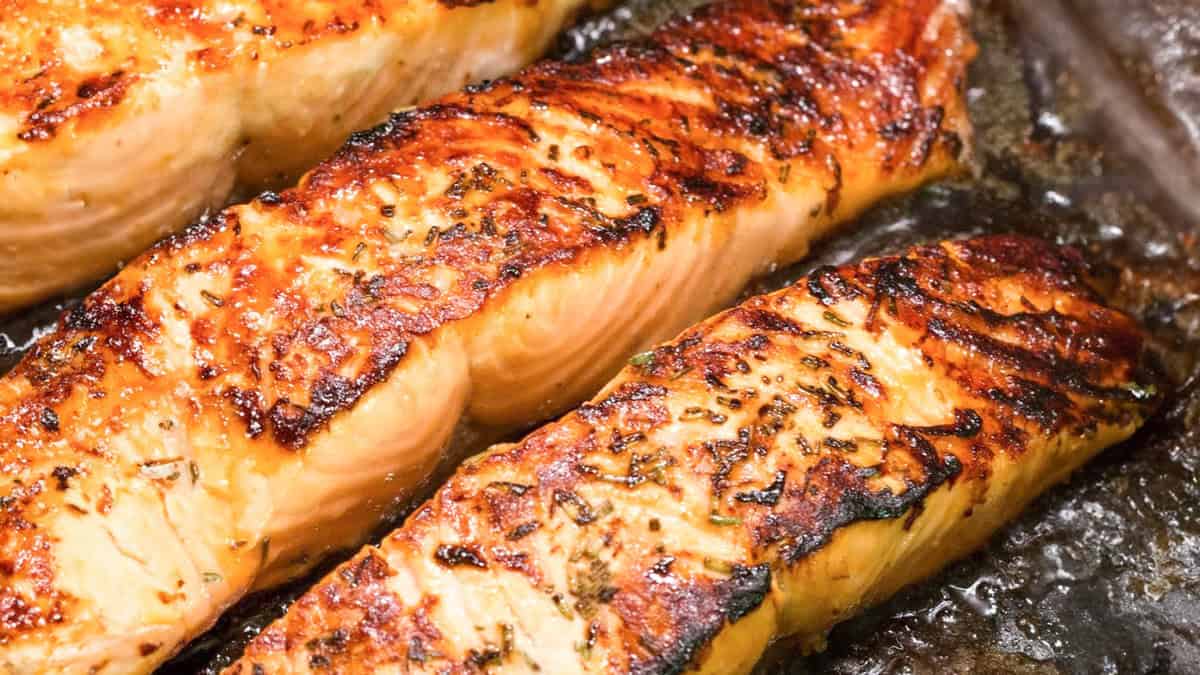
x: 766, y: 420
x: 272, y: 346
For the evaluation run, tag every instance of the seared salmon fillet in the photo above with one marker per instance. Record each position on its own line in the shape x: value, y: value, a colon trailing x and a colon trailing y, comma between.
x: 764, y: 475
x: 256, y: 392
x: 122, y: 121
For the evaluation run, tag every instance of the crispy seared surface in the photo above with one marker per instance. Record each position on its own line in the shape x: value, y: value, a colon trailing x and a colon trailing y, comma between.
x: 764, y: 474
x: 253, y: 393
x: 63, y: 65
x: 121, y: 122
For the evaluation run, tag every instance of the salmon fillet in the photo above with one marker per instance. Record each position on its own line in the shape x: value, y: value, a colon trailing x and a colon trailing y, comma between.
x: 122, y: 121
x: 256, y: 392
x: 766, y: 474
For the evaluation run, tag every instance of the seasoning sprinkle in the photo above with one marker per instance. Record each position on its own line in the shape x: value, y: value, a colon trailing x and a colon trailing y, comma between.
x: 833, y: 318
x: 642, y: 359
x: 718, y: 519
x: 576, y: 507
x: 840, y: 444
x: 729, y: 402
x: 506, y: 638
x: 1140, y: 392
x: 683, y: 371
x: 814, y: 362
x: 717, y: 565
x: 212, y: 299
x: 803, y: 444
x: 533, y: 665
x: 161, y: 469
x: 563, y: 608
x: 522, y: 530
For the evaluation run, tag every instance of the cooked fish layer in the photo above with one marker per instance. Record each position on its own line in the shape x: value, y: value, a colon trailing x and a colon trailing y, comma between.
x: 122, y: 121
x: 764, y: 475
x: 254, y: 393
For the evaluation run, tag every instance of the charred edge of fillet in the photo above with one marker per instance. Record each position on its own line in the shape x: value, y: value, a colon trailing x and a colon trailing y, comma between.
x: 794, y: 517
x: 929, y: 282
x: 94, y: 94
x: 74, y: 357
x: 804, y: 525
x: 669, y: 620
x: 357, y: 599
x: 920, y: 290
x: 292, y: 424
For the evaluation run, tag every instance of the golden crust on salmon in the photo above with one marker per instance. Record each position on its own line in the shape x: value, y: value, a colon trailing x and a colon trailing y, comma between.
x: 764, y: 475
x: 253, y: 393
x: 121, y: 122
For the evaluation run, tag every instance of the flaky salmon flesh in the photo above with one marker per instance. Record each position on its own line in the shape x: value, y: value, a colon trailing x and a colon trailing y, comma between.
x: 256, y: 392
x: 123, y: 120
x: 764, y: 475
